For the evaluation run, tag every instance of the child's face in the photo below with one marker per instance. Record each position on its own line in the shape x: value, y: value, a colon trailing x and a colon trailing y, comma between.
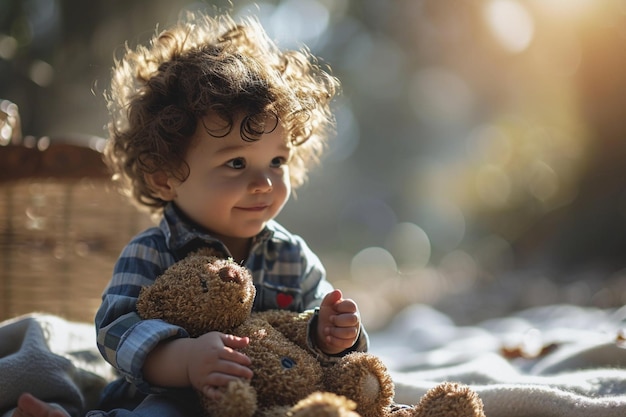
x: 235, y: 187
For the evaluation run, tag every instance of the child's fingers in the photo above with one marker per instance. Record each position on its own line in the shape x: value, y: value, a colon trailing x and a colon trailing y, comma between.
x: 345, y: 320
x: 348, y: 334
x: 230, y: 354
x: 235, y: 342
x: 331, y: 299
x: 230, y: 369
x: 339, y: 323
x: 346, y: 306
x: 337, y: 345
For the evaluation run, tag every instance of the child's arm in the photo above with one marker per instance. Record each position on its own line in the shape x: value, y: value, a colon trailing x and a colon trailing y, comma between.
x: 126, y: 341
x: 205, y: 363
x: 338, y: 325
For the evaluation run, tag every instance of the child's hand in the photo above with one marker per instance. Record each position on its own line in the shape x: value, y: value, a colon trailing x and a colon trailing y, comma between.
x: 213, y: 362
x: 206, y: 363
x: 338, y: 323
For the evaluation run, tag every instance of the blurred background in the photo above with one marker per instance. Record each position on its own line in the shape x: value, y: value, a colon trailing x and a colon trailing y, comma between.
x: 480, y: 153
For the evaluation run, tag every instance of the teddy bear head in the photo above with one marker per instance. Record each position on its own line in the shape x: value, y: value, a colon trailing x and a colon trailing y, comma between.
x: 197, y: 294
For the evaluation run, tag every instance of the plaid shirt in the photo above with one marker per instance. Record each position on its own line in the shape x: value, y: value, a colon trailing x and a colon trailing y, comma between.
x: 286, y: 273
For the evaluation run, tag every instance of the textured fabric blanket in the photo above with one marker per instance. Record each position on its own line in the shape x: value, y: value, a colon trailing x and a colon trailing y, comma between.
x: 544, y: 362
x: 52, y: 358
x: 550, y: 361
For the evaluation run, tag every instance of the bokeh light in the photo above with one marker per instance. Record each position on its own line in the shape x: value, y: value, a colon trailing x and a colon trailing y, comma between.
x: 297, y: 22
x: 510, y: 23
x: 347, y: 136
x: 440, y: 96
x: 493, y: 186
x: 372, y: 265
x: 376, y: 63
x: 409, y: 246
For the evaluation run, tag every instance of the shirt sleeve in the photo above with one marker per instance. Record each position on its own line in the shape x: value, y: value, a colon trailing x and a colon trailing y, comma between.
x: 314, y: 283
x: 315, y: 286
x: 123, y: 338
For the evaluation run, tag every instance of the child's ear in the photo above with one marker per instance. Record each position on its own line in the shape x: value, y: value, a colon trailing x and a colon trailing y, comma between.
x: 162, y: 185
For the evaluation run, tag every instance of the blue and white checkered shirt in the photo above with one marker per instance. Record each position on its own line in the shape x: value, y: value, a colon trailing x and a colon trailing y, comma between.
x: 286, y: 273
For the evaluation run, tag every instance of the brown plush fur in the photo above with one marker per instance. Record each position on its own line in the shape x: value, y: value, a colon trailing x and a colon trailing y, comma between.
x: 450, y: 399
x: 205, y: 293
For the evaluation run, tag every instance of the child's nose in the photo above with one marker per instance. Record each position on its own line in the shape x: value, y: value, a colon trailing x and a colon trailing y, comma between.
x: 261, y: 183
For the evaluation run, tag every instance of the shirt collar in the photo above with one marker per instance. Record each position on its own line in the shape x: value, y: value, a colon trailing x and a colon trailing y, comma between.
x: 183, y: 235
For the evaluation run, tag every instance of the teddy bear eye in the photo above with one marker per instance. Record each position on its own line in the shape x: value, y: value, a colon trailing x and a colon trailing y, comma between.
x: 205, y: 287
x: 287, y: 363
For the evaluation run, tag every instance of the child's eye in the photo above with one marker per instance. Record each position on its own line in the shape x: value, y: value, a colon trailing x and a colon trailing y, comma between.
x: 278, y: 162
x: 236, y: 163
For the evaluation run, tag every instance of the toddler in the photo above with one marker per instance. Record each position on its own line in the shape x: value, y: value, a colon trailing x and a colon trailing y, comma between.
x: 211, y: 127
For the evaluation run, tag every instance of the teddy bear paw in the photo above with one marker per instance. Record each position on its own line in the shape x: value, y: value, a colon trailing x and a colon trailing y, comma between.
x: 449, y: 399
x: 238, y: 400
x: 363, y: 378
x: 324, y: 404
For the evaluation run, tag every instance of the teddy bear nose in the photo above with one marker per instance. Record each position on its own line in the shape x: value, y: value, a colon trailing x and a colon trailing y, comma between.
x: 228, y: 274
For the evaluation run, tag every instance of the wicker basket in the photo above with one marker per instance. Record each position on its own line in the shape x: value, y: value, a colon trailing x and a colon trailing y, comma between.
x: 62, y: 227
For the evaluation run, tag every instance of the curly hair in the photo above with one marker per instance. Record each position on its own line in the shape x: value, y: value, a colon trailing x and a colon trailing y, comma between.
x: 211, y: 65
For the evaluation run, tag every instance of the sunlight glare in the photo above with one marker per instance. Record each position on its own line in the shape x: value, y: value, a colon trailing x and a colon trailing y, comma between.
x: 566, y: 9
x: 510, y: 23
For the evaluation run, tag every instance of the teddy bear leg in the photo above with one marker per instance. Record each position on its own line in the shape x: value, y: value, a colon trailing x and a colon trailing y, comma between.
x: 324, y: 404
x: 238, y: 400
x: 275, y: 411
x: 448, y: 399
x: 364, y: 379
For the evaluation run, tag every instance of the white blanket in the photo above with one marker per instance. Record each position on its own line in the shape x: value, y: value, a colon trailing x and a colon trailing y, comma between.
x: 53, y: 359
x: 560, y: 360
x: 551, y: 361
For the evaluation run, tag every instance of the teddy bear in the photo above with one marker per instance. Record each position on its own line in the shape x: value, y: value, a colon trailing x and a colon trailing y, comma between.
x: 203, y: 293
